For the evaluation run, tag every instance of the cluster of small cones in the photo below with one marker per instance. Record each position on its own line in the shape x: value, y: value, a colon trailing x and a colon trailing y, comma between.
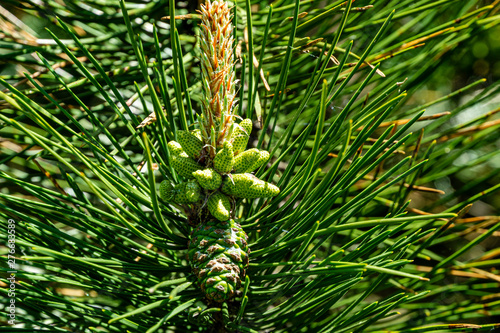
x: 225, y: 177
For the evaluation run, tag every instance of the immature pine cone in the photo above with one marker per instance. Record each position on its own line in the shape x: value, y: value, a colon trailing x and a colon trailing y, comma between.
x: 218, y: 253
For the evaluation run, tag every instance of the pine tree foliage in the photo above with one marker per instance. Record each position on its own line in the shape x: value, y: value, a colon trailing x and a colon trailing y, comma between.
x: 89, y: 105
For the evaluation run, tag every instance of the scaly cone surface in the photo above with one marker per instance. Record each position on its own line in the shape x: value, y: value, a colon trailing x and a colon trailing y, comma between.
x: 218, y: 253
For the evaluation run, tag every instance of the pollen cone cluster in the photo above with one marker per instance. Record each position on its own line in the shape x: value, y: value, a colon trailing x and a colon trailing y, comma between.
x: 216, y: 183
x: 215, y: 166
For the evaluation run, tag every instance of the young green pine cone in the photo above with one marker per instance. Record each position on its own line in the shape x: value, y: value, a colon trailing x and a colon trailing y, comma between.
x: 182, y: 163
x: 187, y: 192
x: 240, y: 136
x: 208, y: 179
x: 248, y: 186
x: 218, y: 254
x: 250, y: 160
x: 219, y: 206
x: 167, y: 190
x: 224, y: 160
x: 191, y: 144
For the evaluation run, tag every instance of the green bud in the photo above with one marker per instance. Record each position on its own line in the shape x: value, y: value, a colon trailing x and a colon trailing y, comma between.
x: 208, y: 179
x: 181, y: 162
x: 185, y: 166
x: 263, y: 158
x: 219, y: 206
x: 174, y: 148
x: 197, y: 134
x: 187, y: 192
x: 167, y: 190
x: 240, y: 136
x: 224, y: 160
x: 250, y: 160
x: 248, y: 186
x: 191, y: 144
x: 243, y: 161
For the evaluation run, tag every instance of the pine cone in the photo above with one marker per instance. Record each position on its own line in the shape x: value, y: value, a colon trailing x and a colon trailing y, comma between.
x: 245, y: 185
x: 218, y: 254
x: 219, y: 206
